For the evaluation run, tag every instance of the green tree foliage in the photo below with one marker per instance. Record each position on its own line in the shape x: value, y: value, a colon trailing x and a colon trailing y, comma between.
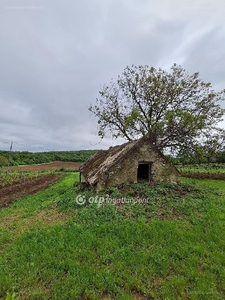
x: 207, y: 150
x: 28, y: 158
x: 3, y: 161
x: 221, y: 157
x: 177, y: 110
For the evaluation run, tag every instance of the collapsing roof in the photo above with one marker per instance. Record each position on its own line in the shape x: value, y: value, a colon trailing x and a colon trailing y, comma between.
x: 134, y: 161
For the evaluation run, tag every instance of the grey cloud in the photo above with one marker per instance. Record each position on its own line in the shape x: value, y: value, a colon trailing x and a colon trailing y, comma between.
x: 206, y: 55
x: 54, y: 60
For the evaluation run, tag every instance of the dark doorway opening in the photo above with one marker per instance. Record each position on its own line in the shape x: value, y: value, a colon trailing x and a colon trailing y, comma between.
x: 144, y: 171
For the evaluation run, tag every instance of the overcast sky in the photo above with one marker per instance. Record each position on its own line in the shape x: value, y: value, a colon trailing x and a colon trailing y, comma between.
x: 56, y: 55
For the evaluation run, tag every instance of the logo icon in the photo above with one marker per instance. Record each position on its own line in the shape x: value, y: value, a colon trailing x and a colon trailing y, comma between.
x: 81, y: 200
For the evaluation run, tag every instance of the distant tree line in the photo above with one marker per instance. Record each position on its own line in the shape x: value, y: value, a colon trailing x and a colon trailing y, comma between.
x: 199, y: 157
x: 27, y: 158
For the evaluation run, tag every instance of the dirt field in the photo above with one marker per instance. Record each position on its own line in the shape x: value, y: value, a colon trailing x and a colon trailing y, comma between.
x: 10, y: 192
x: 56, y: 165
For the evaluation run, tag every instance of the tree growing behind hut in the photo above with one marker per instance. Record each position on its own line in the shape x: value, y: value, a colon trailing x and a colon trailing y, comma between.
x: 178, y: 111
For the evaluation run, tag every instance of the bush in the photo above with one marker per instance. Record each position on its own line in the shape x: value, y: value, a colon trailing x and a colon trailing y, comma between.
x: 3, y: 161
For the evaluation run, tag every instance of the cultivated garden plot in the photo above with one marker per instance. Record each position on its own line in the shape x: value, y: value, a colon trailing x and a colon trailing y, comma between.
x: 212, y: 168
x: 9, y: 178
x: 211, y: 171
x: 24, y: 180
x: 17, y: 184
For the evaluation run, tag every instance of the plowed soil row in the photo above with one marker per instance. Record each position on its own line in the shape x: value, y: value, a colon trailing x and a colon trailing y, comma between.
x: 19, y: 189
x: 203, y: 176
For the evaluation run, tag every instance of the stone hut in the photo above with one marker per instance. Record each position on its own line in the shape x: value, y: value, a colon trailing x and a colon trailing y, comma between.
x: 132, y: 162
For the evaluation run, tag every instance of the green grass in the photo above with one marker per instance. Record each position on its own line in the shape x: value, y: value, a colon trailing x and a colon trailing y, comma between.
x: 172, y: 247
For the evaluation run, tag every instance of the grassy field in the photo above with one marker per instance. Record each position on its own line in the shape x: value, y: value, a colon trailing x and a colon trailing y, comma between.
x: 171, y: 247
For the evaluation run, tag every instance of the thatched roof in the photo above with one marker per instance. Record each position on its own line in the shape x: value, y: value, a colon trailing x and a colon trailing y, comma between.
x: 102, y: 161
